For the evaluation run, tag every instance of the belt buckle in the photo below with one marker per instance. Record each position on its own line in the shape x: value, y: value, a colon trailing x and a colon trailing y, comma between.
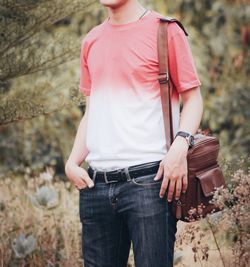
x: 106, y: 180
x: 122, y: 171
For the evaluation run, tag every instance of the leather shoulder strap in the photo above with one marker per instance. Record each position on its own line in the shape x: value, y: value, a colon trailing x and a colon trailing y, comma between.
x: 164, y: 78
x: 171, y: 19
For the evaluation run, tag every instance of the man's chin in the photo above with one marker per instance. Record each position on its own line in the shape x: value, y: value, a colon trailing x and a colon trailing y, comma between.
x: 112, y: 3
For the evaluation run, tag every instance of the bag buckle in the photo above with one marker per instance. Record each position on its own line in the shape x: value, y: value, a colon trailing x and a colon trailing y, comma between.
x: 163, y: 77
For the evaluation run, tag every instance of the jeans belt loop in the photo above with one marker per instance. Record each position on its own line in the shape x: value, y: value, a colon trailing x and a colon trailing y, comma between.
x: 127, y: 174
x: 105, y: 177
x: 94, y: 176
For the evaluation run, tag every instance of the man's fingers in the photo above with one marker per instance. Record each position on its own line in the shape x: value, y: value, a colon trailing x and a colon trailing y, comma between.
x: 88, y: 180
x: 164, y: 185
x: 178, y: 186
x: 80, y: 184
x: 184, y: 183
x: 171, y: 190
x: 159, y: 172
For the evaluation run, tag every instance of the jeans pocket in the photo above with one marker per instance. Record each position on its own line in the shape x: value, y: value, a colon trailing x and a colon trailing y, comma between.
x: 83, y: 189
x: 85, y: 203
x: 146, y: 180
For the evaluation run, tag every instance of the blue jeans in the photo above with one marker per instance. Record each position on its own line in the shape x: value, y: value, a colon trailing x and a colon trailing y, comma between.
x: 114, y: 214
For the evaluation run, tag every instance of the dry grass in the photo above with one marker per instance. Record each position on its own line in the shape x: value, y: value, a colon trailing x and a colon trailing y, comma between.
x: 55, y: 230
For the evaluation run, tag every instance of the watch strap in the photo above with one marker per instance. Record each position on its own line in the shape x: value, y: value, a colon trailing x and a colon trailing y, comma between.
x: 183, y: 133
x: 188, y: 136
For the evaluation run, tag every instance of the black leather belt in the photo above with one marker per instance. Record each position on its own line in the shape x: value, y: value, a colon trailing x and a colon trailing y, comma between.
x: 124, y: 174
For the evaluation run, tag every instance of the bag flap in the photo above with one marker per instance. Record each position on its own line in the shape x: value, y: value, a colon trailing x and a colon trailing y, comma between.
x: 210, y: 180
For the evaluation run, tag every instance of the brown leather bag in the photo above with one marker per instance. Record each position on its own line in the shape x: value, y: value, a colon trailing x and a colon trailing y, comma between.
x: 204, y: 173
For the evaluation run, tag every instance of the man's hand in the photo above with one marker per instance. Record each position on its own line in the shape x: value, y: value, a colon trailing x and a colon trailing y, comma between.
x: 173, y: 168
x: 78, y: 176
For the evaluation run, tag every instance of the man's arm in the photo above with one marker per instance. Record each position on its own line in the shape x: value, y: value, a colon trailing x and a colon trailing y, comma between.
x: 78, y: 154
x: 174, y: 165
x: 79, y: 150
x: 192, y: 111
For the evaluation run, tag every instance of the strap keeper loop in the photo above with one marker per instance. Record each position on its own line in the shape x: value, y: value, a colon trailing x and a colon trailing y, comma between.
x: 163, y: 77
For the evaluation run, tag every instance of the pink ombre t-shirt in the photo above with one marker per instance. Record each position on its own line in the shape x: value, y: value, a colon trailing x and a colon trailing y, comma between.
x: 119, y: 71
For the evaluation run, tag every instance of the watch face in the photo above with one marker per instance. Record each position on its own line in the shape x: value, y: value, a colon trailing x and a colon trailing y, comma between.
x: 191, y: 140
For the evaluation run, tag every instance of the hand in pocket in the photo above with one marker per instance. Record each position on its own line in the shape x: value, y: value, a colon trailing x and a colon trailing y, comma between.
x: 78, y: 176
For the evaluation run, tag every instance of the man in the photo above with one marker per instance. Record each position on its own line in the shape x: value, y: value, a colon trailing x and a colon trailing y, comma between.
x: 126, y: 193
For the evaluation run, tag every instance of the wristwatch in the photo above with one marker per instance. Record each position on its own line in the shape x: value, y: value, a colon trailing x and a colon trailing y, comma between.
x: 188, y: 136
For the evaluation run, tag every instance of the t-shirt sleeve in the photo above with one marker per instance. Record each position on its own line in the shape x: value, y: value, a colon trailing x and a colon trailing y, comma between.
x: 182, y: 68
x: 85, y: 80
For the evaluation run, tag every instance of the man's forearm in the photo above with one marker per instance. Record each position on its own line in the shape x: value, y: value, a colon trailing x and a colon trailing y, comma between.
x: 79, y: 150
x: 192, y: 111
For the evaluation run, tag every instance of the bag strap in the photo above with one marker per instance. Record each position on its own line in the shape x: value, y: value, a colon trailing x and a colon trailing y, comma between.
x: 166, y: 85
x: 171, y: 19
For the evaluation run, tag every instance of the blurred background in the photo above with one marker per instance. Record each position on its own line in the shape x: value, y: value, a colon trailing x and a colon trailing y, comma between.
x: 41, y: 107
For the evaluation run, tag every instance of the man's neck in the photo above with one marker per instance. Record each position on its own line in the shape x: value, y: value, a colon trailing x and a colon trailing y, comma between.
x: 125, y: 13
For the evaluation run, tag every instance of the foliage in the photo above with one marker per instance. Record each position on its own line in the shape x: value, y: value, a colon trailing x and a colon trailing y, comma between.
x: 33, y: 235
x: 235, y: 218
x: 24, y: 26
x: 224, y: 39
x: 36, y: 236
x: 30, y: 34
x: 40, y: 101
x: 23, y: 246
x: 229, y: 228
